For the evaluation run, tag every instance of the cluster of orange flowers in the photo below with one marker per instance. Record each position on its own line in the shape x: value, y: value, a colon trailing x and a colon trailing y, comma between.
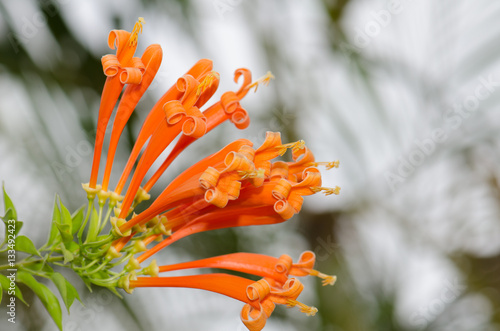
x: 237, y: 186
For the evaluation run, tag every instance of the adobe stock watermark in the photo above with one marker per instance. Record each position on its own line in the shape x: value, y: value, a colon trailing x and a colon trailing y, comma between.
x: 225, y: 6
x: 73, y: 158
x: 428, y: 313
x: 325, y: 248
x: 160, y: 77
x: 31, y: 26
x: 277, y: 122
x: 371, y: 29
x: 453, y: 120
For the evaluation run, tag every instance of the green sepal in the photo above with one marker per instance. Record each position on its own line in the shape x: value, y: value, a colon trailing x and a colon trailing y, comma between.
x: 6, y: 285
x: 68, y: 292
x: 24, y: 244
x: 77, y: 220
x: 48, y: 298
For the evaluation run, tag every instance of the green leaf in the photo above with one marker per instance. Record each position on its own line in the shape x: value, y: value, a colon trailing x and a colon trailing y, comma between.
x: 94, y: 226
x: 1, y: 292
x: 24, y: 244
x: 68, y: 256
x: 39, y: 267
x: 77, y: 220
x: 5, y: 282
x: 56, y: 219
x: 10, y: 214
x: 65, y: 231
x: 65, y: 215
x: 67, y: 291
x: 73, y: 247
x: 9, y: 205
x: 48, y: 298
x: 12, y: 225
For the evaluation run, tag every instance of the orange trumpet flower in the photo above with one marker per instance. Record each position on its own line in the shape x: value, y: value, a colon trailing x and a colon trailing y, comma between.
x: 237, y: 186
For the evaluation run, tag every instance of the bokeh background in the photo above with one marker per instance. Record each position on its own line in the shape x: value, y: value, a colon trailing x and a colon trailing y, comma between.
x: 404, y: 93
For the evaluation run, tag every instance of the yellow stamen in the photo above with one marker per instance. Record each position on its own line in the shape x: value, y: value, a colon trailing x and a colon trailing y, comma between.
x: 326, y: 190
x: 328, y: 165
x: 264, y: 80
x: 135, y: 31
x: 259, y: 173
x: 327, y: 279
x: 309, y: 311
x: 301, y: 144
x: 207, y: 82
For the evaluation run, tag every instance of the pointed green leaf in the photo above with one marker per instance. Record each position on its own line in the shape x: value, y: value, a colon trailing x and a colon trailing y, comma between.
x: 65, y: 215
x: 1, y: 292
x: 24, y: 244
x: 94, y: 226
x: 65, y: 231
x: 40, y: 267
x: 73, y: 247
x: 6, y: 285
x: 9, y: 215
x: 19, y: 225
x: 48, y: 298
x: 77, y: 220
x: 9, y: 205
x: 67, y: 291
x: 56, y: 219
x: 68, y: 256
x: 12, y: 225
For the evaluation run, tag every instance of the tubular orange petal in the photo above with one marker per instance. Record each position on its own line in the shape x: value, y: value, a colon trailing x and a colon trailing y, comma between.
x: 152, y: 58
x: 228, y: 285
x: 218, y: 219
x: 110, y: 94
x: 178, y: 189
x: 156, y: 116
